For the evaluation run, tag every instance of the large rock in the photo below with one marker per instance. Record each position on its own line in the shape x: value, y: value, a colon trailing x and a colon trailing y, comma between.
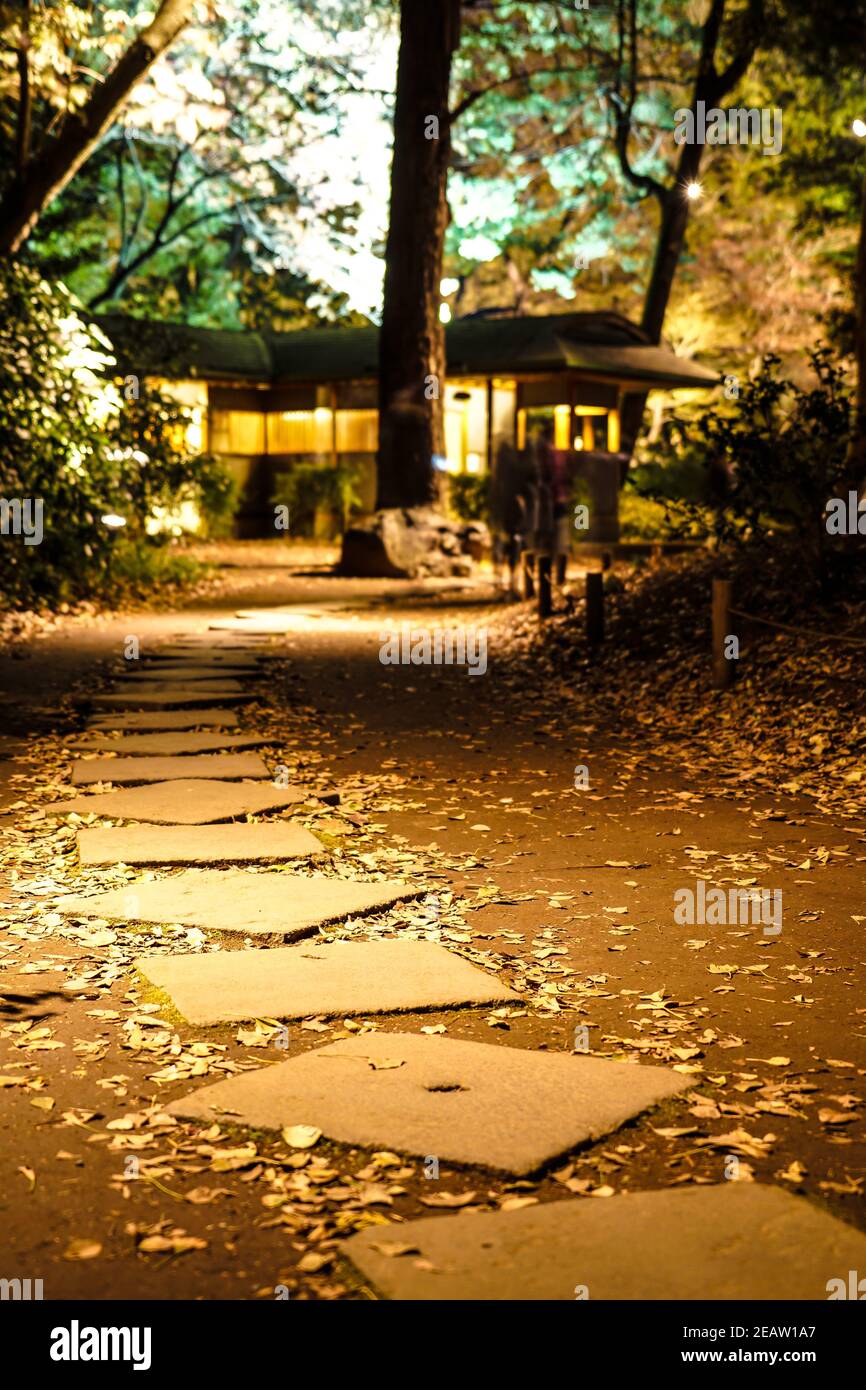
x: 409, y: 543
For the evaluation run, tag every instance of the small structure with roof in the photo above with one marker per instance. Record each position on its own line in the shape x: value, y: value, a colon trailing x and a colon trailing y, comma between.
x: 268, y: 400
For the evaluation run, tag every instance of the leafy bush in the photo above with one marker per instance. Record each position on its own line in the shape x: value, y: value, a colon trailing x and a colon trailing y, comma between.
x: 764, y: 471
x: 69, y: 440
x: 309, y: 487
x: 469, y: 496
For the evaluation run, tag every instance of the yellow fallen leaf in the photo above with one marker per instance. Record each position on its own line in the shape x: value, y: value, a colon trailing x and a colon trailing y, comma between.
x: 301, y: 1136
x: 82, y: 1249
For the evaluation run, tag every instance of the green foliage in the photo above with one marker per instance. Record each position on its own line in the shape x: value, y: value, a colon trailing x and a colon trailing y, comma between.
x: 769, y: 464
x: 159, y: 477
x: 469, y: 496
x: 69, y: 441
x: 308, y: 488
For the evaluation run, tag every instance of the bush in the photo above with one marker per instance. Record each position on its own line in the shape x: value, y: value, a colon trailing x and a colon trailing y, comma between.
x: 72, y: 444
x: 469, y: 496
x: 309, y: 488
x: 764, y: 472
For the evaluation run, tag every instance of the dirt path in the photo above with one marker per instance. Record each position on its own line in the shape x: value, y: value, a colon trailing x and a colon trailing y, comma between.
x: 467, y: 783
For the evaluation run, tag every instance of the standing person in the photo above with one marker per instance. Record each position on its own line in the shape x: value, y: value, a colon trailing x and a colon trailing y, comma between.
x: 509, y: 507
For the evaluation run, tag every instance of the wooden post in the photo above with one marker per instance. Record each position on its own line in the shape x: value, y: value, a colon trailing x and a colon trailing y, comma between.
x: 528, y: 560
x: 545, y: 590
x: 723, y: 668
x: 594, y: 607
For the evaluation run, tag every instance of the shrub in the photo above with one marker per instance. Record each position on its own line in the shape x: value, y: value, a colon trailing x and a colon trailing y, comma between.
x: 469, y: 496
x: 764, y: 471
x: 309, y: 487
x: 69, y: 439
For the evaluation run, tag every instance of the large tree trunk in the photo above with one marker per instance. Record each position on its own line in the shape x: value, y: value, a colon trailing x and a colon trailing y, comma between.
x: 857, y: 445
x: 49, y: 170
x: 412, y: 340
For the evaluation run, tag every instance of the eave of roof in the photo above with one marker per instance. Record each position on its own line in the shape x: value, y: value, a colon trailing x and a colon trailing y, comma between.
x: 605, y: 346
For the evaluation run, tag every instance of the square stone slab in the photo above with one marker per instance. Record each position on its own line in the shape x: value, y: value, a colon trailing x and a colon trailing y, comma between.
x: 166, y: 719
x: 263, y: 625
x: 204, y: 651
x: 175, y: 672
x: 197, y: 844
x: 231, y: 900
x: 190, y: 801
x: 166, y: 696
x: 338, y: 977
x: 155, y: 684
x: 739, y: 1240
x: 119, y: 770
x: 467, y: 1102
x: 165, y: 745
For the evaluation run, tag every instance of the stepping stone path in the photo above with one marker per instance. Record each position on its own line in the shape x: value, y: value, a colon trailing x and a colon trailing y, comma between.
x: 739, y: 1240
x: 166, y: 719
x: 337, y: 978
x: 188, y: 801
x: 467, y: 1102
x: 232, y: 765
x: 165, y: 745
x: 262, y: 843
x: 485, y: 1104
x: 231, y: 900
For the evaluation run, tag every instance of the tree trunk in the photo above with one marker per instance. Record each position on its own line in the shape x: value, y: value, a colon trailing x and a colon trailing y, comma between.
x: 710, y: 87
x: 412, y: 339
x: 50, y: 169
x: 857, y: 443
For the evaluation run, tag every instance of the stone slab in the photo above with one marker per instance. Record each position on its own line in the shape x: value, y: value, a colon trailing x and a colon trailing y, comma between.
x: 171, y: 671
x: 204, y: 652
x: 264, y: 625
x: 166, y: 745
x: 157, y: 685
x: 196, y: 844
x: 166, y: 719
x: 334, y: 978
x: 734, y: 1241
x: 188, y: 801
x: 166, y: 769
x: 232, y: 900
x: 164, y: 697
x: 470, y: 1103
x: 209, y: 650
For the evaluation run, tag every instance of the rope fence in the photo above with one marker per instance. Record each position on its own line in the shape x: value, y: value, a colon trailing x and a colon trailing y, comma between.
x: 722, y: 612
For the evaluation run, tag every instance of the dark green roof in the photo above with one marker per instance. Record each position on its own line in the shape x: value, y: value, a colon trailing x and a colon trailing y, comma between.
x: 592, y: 345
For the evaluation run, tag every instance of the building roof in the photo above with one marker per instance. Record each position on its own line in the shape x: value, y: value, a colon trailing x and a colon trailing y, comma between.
x: 602, y: 345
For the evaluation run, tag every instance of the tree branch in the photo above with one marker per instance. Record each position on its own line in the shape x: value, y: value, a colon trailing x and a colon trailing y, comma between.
x: 56, y: 164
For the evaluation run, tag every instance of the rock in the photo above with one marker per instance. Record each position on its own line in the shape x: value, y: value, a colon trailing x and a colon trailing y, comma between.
x: 409, y: 543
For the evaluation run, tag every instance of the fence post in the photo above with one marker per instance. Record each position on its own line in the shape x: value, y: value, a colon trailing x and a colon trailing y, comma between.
x: 545, y: 592
x: 527, y: 562
x: 723, y: 669
x: 594, y: 607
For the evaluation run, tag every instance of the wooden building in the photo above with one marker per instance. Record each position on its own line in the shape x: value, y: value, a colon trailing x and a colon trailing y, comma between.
x: 268, y: 400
